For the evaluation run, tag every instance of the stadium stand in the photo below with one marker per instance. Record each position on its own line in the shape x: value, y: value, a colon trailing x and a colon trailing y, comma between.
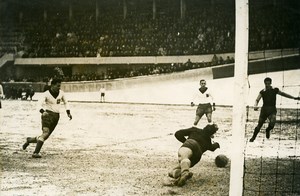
x: 61, y: 29
x: 205, y: 29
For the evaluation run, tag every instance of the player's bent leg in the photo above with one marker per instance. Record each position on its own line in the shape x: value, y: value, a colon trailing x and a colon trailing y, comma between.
x: 40, y: 141
x: 209, y: 118
x: 268, y: 130
x: 185, y: 165
x: 175, y: 172
x: 256, y: 131
x: 184, y: 153
x: 28, y: 141
x: 36, y: 153
x: 272, y: 121
x: 45, y: 135
x: 197, y: 118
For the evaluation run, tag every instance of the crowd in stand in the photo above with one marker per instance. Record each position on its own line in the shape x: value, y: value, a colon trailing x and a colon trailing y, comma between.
x: 201, y: 31
x: 204, y: 30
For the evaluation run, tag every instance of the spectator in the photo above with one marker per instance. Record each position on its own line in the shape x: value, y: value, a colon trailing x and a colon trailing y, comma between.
x: 29, y: 92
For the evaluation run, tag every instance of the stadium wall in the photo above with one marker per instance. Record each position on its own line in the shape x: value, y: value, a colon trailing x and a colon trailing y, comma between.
x: 30, y: 67
x: 273, y: 64
x: 116, y: 60
x: 121, y: 83
x: 259, y: 62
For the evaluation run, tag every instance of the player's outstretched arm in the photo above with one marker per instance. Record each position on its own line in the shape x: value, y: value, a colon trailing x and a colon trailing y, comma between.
x: 180, y: 135
x: 288, y: 95
x: 214, y: 146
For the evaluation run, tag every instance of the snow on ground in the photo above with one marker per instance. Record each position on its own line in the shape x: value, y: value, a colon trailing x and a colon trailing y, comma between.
x: 182, y: 90
x: 127, y: 149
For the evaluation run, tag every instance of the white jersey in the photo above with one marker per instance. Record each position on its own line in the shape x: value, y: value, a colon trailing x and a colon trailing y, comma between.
x: 102, y: 90
x: 48, y: 102
x: 203, y: 98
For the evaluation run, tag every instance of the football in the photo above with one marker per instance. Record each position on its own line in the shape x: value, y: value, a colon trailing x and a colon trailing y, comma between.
x: 221, y: 160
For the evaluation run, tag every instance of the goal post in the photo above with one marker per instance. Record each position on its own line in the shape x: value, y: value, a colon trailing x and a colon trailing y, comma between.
x: 240, y: 97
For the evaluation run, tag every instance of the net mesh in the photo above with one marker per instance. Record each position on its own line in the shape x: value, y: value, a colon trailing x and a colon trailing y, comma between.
x: 272, y: 166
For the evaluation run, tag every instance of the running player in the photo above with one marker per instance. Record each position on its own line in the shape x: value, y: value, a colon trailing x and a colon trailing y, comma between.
x: 50, y: 109
x: 268, y: 110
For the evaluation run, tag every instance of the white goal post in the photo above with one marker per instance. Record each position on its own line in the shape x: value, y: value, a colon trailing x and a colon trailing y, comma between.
x: 240, y: 96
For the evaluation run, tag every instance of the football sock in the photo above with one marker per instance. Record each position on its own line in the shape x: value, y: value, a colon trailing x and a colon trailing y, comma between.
x: 38, y: 147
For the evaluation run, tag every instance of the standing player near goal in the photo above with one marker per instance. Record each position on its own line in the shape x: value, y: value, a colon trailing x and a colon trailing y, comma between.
x: 50, y: 107
x: 268, y: 110
x: 205, y: 102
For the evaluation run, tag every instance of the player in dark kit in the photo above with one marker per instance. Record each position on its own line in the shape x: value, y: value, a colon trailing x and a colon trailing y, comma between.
x: 50, y: 109
x: 189, y: 154
x: 268, y: 110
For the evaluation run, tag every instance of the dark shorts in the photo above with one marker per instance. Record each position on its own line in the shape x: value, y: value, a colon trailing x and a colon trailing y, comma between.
x: 102, y: 94
x: 196, y: 149
x: 203, y: 109
x: 50, y: 120
x: 265, y: 112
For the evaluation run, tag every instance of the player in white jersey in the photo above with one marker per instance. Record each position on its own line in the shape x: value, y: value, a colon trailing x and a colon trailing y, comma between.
x: 49, y: 108
x: 102, y: 94
x: 205, y: 102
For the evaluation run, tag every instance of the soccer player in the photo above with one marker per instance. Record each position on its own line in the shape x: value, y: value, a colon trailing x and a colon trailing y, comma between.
x: 205, y: 102
x: 268, y: 110
x: 102, y: 94
x: 29, y: 92
x: 189, y: 154
x: 50, y: 109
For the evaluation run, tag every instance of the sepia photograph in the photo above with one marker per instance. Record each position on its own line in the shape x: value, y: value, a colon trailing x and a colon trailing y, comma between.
x: 149, y: 97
